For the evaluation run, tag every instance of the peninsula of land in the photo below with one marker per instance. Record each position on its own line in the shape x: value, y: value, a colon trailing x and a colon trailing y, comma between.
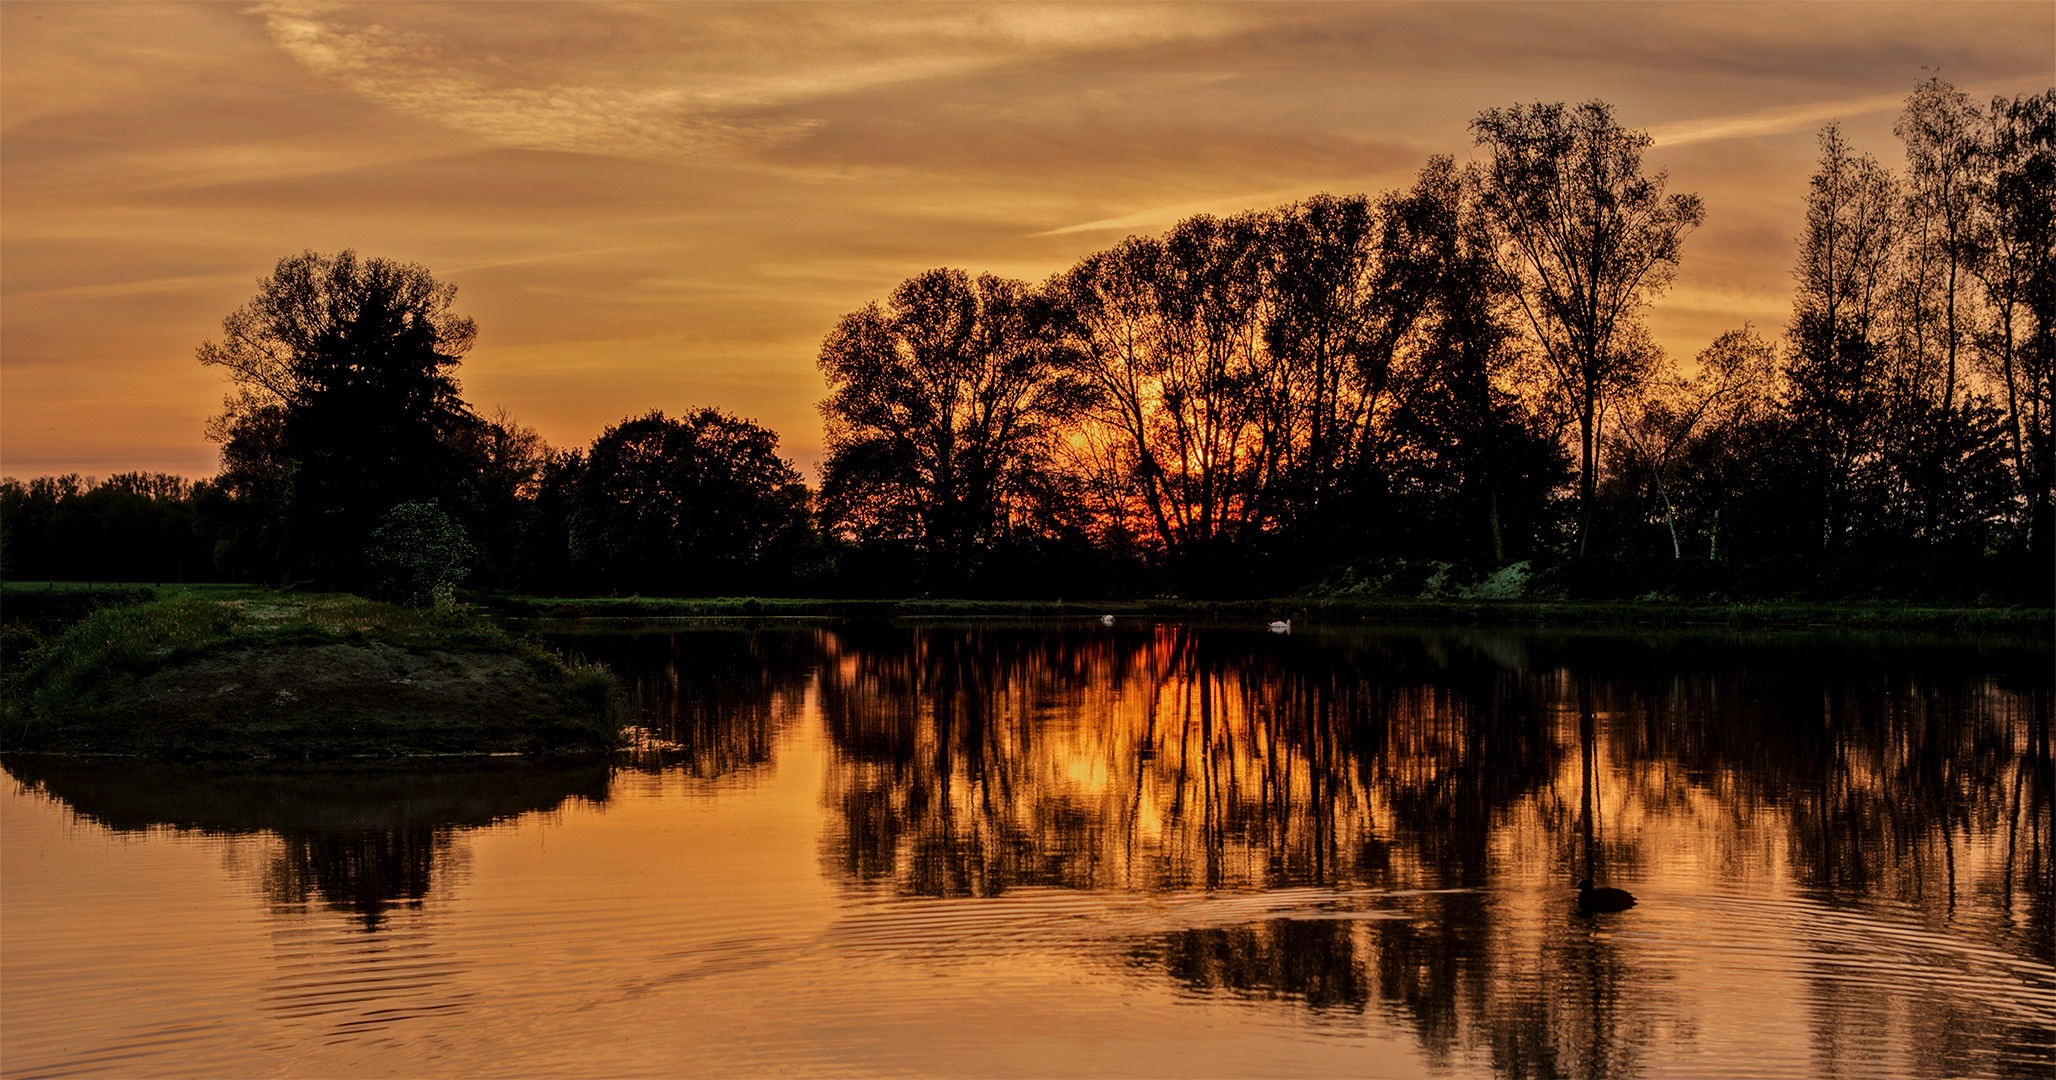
x: 261, y: 676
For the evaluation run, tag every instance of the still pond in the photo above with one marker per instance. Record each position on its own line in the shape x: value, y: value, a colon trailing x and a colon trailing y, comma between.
x: 1082, y: 850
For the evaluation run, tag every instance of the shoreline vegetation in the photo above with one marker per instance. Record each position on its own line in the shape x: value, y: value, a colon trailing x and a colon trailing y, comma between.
x: 241, y: 673
x: 25, y: 605
x: 1322, y: 611
x: 247, y: 674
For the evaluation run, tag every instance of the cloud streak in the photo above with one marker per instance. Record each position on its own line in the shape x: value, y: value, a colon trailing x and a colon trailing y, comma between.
x: 732, y: 86
x: 1789, y: 119
x: 1781, y: 120
x: 667, y: 205
x: 418, y: 74
x: 1168, y: 215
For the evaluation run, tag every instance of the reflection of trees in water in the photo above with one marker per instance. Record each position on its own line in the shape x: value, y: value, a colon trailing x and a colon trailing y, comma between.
x: 1878, y: 777
x: 1902, y: 775
x: 365, y: 873
x: 1577, y: 1006
x: 1904, y: 782
x: 363, y: 843
x: 360, y: 841
x: 975, y: 761
x: 1877, y: 774
x: 710, y: 700
x: 1314, y: 961
x: 1932, y: 796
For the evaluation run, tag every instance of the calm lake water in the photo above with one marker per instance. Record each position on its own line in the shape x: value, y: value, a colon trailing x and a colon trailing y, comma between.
x: 1057, y: 850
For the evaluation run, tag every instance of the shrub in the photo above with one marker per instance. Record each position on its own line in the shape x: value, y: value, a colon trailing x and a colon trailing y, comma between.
x: 417, y: 553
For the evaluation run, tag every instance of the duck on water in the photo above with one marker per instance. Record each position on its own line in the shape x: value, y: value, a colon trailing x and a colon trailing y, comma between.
x: 1602, y: 899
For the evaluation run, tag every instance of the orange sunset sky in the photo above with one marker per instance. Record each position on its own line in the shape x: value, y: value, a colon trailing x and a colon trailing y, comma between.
x: 668, y: 205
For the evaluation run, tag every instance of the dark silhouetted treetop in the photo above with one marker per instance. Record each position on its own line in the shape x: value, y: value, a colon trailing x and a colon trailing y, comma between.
x: 700, y: 505
x: 141, y: 527
x: 1591, y: 240
x: 320, y: 322
x: 945, y: 404
x: 345, y: 402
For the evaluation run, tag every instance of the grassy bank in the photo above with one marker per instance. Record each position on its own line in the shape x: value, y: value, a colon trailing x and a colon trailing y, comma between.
x: 1340, y: 610
x: 187, y: 672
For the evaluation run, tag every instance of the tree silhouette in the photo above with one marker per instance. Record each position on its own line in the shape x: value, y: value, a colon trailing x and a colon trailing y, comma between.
x: 1333, y: 323
x: 1591, y: 239
x: 697, y: 506
x: 944, y: 408
x: 1170, y: 332
x: 1473, y: 449
x: 1836, y: 392
x: 344, y: 402
x: 1939, y: 127
x: 2013, y: 235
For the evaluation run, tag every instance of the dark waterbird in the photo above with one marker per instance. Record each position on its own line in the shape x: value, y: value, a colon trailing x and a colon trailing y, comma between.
x: 1609, y: 899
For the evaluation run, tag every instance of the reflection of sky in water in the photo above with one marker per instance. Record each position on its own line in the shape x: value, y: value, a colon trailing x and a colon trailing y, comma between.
x: 1106, y: 852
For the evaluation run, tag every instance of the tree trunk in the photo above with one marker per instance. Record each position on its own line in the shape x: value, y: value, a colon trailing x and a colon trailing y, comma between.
x: 1588, y: 480
x: 2024, y: 471
x: 1677, y: 553
x: 1498, y: 538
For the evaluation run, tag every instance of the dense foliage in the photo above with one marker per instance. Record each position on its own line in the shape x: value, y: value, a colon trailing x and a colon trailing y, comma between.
x: 1389, y: 390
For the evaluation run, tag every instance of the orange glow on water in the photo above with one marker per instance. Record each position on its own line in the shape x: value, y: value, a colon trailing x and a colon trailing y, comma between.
x: 1143, y: 850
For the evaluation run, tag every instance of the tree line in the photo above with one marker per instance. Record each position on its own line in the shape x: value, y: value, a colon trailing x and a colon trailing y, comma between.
x: 1460, y: 371
x: 1454, y: 373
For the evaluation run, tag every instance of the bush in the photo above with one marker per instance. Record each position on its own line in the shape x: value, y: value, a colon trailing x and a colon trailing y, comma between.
x: 416, y: 553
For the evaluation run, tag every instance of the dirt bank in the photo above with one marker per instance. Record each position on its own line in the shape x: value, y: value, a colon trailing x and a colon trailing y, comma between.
x: 328, y: 702
x: 314, y: 682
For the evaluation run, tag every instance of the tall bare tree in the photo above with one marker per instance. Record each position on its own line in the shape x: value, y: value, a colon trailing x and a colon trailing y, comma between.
x: 1845, y: 274
x: 1171, y: 333
x: 1328, y: 332
x: 1591, y: 239
x: 2014, y: 236
x: 1940, y: 129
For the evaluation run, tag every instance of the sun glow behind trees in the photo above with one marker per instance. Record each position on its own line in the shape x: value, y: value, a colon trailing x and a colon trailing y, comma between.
x: 1349, y: 377
x: 1247, y: 404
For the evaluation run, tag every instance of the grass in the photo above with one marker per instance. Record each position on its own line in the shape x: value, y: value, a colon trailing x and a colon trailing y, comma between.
x: 151, y: 631
x: 63, y: 678
x: 1879, y: 615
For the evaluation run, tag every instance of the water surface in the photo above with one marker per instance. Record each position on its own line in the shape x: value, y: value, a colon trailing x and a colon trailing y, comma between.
x: 1040, y: 849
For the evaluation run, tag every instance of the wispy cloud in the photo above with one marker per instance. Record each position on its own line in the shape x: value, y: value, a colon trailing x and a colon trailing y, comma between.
x: 723, y: 82
x: 1786, y: 119
x: 527, y: 260
x: 1165, y: 215
x: 1781, y: 120
x: 108, y: 290
x: 422, y: 75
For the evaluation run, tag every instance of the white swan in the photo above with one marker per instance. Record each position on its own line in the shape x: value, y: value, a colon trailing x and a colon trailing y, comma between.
x: 1106, y: 620
x: 1282, y: 626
